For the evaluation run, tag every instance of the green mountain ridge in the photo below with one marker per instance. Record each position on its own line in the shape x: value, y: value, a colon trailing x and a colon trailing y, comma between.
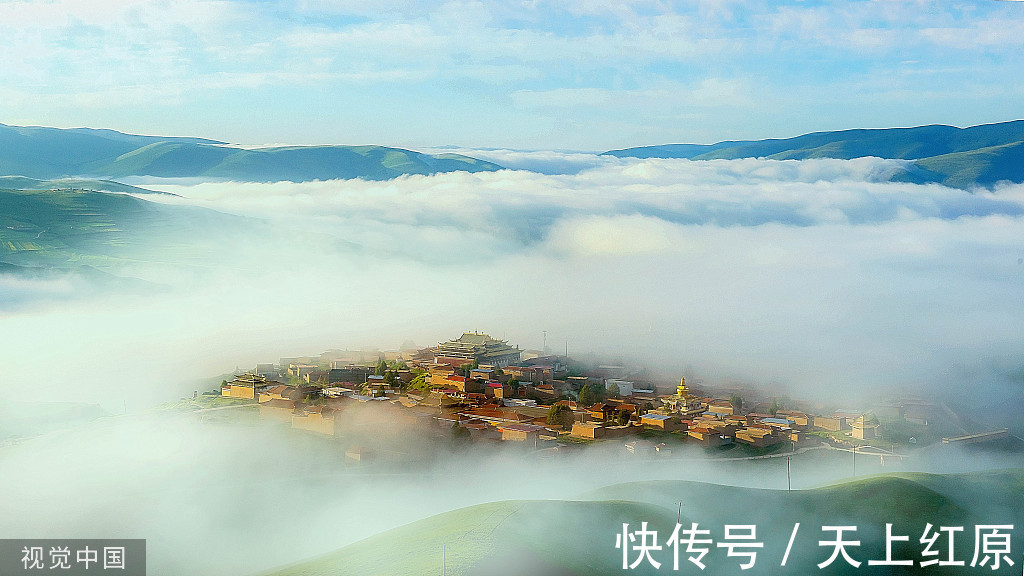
x: 53, y: 153
x: 291, y: 163
x: 959, y: 157
x: 559, y: 537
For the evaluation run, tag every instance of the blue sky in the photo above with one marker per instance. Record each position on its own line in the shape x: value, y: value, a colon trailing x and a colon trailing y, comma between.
x: 585, y: 75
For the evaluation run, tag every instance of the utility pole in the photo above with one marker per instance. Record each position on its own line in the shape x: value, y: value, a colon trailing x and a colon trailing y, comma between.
x: 789, y: 473
x: 679, y: 512
x: 855, y: 461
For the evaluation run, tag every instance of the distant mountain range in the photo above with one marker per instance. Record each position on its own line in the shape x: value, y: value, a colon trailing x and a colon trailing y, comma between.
x: 54, y: 153
x: 958, y: 157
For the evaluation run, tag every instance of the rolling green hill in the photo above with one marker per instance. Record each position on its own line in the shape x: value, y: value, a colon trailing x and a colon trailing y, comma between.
x: 960, y: 157
x: 293, y: 163
x: 578, y: 537
x: 52, y: 153
x: 45, y: 153
x: 983, y: 166
x: 68, y: 228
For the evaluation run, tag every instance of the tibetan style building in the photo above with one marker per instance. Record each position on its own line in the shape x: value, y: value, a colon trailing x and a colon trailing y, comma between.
x: 475, y: 347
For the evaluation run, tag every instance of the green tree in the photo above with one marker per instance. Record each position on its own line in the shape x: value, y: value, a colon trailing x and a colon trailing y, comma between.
x: 586, y: 395
x: 623, y: 417
x: 613, y: 390
x: 561, y: 415
x: 592, y: 394
x: 419, y: 381
x: 382, y: 367
x: 390, y: 380
x: 513, y: 383
x: 737, y: 402
x: 465, y: 369
x: 774, y: 407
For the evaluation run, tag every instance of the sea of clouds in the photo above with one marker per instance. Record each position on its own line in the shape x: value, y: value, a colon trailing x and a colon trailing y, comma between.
x: 818, y: 276
x: 818, y: 279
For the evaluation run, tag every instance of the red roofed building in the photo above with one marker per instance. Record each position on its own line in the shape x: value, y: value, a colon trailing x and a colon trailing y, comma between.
x: 498, y: 390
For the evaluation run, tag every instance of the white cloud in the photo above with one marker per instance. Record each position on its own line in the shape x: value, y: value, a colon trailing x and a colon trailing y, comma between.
x: 1000, y: 34
x: 668, y: 98
x: 815, y: 279
x: 812, y: 273
x: 599, y: 235
x: 543, y: 162
x: 563, y: 97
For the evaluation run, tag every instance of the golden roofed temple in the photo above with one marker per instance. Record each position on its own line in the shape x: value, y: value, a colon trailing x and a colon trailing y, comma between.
x: 682, y: 391
x: 476, y: 347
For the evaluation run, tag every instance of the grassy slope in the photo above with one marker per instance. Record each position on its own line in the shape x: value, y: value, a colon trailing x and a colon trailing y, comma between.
x: 982, y: 167
x: 476, y: 538
x: 47, y: 153
x: 23, y: 183
x: 892, y: 143
x: 905, y: 143
x: 975, y: 156
x: 58, y: 224
x: 39, y: 152
x: 294, y: 163
x: 577, y: 537
x: 68, y: 228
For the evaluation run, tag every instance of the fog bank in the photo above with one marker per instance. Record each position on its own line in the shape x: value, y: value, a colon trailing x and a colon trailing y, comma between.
x: 818, y: 276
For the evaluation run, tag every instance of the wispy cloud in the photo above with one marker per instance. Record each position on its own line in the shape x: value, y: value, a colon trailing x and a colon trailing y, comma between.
x: 591, y: 75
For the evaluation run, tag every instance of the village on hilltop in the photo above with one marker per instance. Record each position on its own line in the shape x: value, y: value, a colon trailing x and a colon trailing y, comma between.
x: 480, y: 389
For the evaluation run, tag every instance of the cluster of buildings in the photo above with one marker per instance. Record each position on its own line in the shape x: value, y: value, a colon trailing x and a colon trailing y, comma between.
x: 494, y: 391
x: 706, y: 421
